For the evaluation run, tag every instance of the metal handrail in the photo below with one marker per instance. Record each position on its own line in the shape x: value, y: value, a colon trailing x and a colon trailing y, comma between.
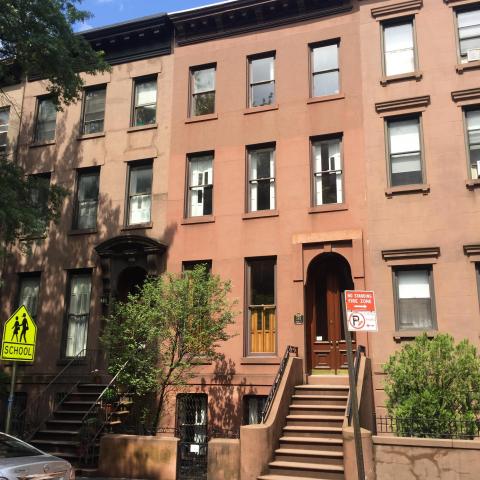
x: 276, y: 383
x: 91, y: 441
x: 36, y: 400
x: 356, y: 367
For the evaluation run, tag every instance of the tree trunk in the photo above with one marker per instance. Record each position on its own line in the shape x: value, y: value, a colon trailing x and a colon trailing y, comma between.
x: 158, y: 413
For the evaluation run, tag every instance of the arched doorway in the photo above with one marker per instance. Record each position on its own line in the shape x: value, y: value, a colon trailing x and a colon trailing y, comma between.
x: 328, y: 275
x: 129, y: 280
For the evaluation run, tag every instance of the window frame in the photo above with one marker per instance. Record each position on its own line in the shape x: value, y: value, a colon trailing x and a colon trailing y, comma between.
x: 456, y: 11
x: 188, y: 265
x: 324, y: 43
x: 132, y: 165
x: 248, y: 151
x: 102, y: 86
x: 393, y: 22
x: 24, y: 275
x: 187, y: 206
x: 465, y: 109
x: 70, y: 274
x: 248, y: 304
x: 192, y: 93
x: 321, y: 138
x: 40, y: 99
x: 399, y: 118
x: 259, y: 56
x: 246, y: 410
x: 417, y: 267
x: 133, y: 107
x: 6, y: 144
x: 79, y: 173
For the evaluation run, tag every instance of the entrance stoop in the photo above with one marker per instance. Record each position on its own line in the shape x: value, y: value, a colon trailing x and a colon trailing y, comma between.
x: 311, y: 445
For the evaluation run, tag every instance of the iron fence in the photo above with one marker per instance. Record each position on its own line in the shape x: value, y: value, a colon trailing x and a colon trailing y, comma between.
x: 428, y: 427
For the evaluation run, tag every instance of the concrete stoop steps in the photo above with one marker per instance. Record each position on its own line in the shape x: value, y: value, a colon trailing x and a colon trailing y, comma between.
x: 60, y: 435
x: 312, y: 445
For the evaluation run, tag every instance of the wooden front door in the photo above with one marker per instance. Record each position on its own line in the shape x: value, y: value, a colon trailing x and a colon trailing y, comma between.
x: 325, y: 332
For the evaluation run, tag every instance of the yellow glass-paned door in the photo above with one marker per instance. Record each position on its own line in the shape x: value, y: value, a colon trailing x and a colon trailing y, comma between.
x: 262, y: 329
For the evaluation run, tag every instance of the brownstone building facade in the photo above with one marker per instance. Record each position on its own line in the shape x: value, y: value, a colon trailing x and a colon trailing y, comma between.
x: 299, y: 148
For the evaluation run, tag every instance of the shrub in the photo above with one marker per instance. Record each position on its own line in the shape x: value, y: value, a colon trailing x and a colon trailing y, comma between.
x: 433, y: 388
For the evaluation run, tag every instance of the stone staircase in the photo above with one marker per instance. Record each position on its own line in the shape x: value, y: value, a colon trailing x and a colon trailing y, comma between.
x: 61, y: 433
x: 311, y: 445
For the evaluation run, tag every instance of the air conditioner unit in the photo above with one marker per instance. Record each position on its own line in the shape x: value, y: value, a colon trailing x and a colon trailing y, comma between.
x: 473, y: 54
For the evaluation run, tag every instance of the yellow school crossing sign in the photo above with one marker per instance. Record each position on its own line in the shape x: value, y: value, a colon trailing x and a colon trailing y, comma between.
x: 19, y: 337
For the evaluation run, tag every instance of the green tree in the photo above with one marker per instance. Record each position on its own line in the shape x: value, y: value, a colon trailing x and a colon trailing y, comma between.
x: 27, y: 204
x: 165, y: 329
x: 433, y: 388
x: 37, y: 38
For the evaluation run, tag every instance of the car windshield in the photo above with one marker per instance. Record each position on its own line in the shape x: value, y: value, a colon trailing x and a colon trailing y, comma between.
x: 11, y: 447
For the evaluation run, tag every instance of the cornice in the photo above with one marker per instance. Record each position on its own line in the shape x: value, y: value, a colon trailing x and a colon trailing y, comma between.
x: 473, y: 249
x: 244, y: 16
x: 464, y: 95
x: 410, y: 253
x: 403, y: 104
x: 145, y: 37
x: 397, y: 8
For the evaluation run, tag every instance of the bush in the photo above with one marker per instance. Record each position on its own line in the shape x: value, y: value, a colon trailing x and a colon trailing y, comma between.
x: 433, y: 388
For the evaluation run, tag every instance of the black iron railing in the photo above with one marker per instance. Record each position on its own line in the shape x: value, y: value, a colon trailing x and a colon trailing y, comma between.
x: 428, y: 427
x: 278, y: 378
x: 356, y: 367
x: 100, y: 418
x: 40, y: 407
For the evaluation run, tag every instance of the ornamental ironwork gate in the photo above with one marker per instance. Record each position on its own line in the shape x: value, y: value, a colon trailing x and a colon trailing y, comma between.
x: 192, y: 429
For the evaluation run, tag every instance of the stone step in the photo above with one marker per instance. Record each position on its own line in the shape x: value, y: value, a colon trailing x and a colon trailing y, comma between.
x: 309, y: 431
x: 341, y: 390
x: 326, y: 457
x: 63, y: 424
x: 56, y: 434
x: 320, y: 399
x: 327, y: 379
x: 312, y: 443
x: 307, y: 470
x: 69, y: 414
x: 306, y: 409
x: 315, y: 420
x: 283, y: 477
x: 77, y: 405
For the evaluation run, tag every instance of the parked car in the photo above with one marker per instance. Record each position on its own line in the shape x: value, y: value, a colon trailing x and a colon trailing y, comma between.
x: 20, y: 460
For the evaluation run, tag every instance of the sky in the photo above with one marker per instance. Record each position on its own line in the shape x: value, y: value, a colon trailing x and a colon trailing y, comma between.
x: 107, y: 12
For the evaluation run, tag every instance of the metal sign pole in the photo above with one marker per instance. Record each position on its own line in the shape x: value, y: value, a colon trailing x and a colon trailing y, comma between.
x: 11, y: 398
x: 353, y: 395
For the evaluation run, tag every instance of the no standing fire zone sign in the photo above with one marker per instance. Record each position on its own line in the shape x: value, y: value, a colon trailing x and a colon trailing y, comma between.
x: 360, y: 309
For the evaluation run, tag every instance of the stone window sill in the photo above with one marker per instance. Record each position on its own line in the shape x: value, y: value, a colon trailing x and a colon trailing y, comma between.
x: 461, y: 67
x: 473, y: 183
x: 138, y: 226
x: 260, y: 214
x: 264, y: 108
x: 400, y: 335
x: 259, y: 360
x: 202, y: 118
x: 198, y: 220
x: 335, y: 207
x: 91, y: 135
x: 423, y: 188
x: 86, y: 231
x: 326, y: 98
x: 142, y: 127
x: 385, y: 80
x: 42, y: 144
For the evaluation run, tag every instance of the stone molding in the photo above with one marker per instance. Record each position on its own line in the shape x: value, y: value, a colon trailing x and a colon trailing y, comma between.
x: 411, y: 253
x: 397, y: 8
x: 465, y: 95
x: 472, y: 249
x: 403, y: 104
